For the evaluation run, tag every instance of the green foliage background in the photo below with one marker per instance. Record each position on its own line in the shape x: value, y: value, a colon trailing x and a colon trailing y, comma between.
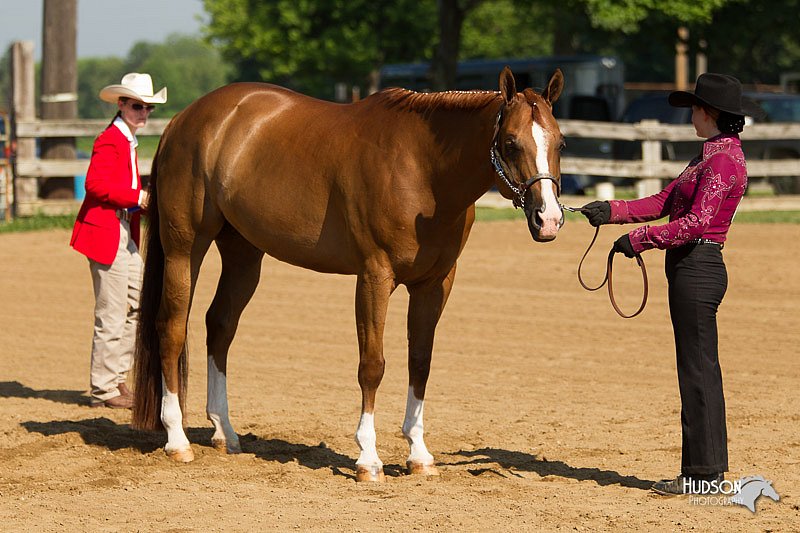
x: 310, y: 45
x: 188, y: 66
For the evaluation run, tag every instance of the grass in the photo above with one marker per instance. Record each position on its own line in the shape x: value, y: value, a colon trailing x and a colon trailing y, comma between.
x: 146, y: 149
x: 483, y: 214
x: 768, y: 217
x: 38, y: 223
x: 747, y: 217
x: 490, y: 214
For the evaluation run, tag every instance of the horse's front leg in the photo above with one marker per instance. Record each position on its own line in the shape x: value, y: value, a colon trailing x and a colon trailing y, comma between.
x: 425, y: 306
x: 373, y: 290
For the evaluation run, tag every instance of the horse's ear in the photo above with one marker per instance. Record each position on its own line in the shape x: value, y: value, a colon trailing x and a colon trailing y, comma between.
x: 554, y: 87
x: 508, y: 87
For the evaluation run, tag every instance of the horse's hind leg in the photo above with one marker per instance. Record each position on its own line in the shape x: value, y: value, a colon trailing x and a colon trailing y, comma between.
x: 183, y: 254
x: 373, y: 290
x: 426, y: 302
x: 241, y: 269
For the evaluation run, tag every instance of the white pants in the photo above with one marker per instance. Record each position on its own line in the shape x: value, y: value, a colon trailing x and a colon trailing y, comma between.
x: 116, y: 294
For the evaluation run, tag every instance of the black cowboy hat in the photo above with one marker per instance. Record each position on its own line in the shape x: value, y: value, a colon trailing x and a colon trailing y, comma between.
x: 720, y: 91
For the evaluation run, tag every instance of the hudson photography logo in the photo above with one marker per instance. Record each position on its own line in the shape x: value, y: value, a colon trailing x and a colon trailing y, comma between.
x: 745, y: 491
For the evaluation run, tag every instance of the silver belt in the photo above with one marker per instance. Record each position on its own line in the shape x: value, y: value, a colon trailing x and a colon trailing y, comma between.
x: 706, y: 241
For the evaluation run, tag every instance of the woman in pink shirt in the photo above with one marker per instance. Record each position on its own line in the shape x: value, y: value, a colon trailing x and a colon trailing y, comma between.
x: 700, y: 204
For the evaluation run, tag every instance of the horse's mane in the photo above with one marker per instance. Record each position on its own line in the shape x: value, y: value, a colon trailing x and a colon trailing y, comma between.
x: 404, y: 99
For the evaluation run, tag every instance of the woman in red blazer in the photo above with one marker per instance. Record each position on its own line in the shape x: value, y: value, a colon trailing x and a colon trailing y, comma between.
x: 107, y: 233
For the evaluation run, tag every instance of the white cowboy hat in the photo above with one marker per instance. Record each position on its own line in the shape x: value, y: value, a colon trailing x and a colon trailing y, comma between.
x: 136, y: 86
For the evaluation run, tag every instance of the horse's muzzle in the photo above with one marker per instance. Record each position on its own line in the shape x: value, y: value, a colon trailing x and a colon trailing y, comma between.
x: 544, y: 220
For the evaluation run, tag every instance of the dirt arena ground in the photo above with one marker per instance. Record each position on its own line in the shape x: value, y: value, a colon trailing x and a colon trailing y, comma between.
x: 545, y: 411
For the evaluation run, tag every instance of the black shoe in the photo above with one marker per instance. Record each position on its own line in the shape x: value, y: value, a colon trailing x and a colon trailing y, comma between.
x: 697, y: 484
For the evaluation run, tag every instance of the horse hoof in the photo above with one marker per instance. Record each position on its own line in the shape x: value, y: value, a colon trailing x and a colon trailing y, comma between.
x: 419, y: 469
x: 181, y: 456
x: 370, y: 473
x: 222, y: 446
x: 234, y: 449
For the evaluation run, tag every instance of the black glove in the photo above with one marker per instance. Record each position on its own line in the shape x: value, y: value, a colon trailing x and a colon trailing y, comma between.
x: 598, y: 213
x: 623, y: 246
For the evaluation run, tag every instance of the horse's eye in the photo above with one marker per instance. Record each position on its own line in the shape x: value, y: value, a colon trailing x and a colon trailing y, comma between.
x: 511, y: 144
x: 562, y: 145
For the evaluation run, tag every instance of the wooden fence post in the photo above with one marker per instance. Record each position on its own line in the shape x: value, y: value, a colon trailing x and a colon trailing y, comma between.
x: 681, y: 59
x: 23, y: 108
x: 651, y: 157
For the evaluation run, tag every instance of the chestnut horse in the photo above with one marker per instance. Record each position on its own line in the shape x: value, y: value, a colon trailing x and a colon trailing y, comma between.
x: 383, y: 189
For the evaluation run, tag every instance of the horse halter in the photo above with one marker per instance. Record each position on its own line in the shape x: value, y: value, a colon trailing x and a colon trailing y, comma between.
x: 519, y: 189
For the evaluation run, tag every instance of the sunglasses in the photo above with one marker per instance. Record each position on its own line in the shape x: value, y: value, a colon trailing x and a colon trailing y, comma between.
x: 139, y: 107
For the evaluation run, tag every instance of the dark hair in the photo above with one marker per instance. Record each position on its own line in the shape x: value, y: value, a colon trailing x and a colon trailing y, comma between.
x: 122, y: 99
x: 119, y: 114
x: 730, y: 123
x: 726, y: 122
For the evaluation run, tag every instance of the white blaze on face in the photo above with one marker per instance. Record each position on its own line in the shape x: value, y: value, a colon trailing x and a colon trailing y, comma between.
x: 551, y: 217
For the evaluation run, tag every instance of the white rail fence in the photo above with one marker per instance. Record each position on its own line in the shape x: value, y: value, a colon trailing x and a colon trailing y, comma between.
x: 650, y: 169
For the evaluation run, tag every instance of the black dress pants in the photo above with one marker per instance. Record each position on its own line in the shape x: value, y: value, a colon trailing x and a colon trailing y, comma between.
x: 697, y: 282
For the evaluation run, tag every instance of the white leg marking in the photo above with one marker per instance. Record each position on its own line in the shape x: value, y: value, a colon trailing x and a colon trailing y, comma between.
x: 551, y: 217
x: 172, y: 419
x: 413, y: 430
x: 217, y: 409
x: 366, y: 439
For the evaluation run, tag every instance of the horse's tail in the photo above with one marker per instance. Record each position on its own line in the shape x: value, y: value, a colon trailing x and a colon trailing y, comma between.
x: 147, y: 404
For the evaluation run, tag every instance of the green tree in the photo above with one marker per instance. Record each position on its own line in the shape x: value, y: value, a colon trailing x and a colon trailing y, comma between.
x: 188, y: 66
x: 310, y: 45
x: 757, y: 40
x: 451, y: 16
x: 94, y: 73
x: 734, y: 32
x: 562, y: 22
x: 501, y: 29
x: 626, y: 15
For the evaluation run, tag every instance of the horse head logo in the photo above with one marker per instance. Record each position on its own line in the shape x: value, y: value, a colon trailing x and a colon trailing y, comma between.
x: 752, y: 488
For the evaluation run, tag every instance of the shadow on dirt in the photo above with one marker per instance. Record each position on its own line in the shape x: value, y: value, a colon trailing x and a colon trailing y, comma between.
x: 314, y: 457
x: 15, y: 389
x: 520, y: 461
x: 100, y: 432
x: 108, y: 434
x: 504, y: 463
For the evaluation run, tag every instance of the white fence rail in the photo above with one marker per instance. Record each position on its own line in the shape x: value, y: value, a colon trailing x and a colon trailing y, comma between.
x: 650, y: 169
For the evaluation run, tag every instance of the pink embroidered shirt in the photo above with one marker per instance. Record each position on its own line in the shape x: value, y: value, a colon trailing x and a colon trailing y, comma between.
x: 700, y: 203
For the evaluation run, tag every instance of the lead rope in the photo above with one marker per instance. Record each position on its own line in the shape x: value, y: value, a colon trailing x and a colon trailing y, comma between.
x: 609, y: 273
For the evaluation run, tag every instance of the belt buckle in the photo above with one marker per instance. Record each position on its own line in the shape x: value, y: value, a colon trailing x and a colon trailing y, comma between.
x: 708, y: 241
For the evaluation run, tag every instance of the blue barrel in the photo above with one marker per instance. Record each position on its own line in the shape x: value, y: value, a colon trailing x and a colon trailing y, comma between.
x: 80, y: 187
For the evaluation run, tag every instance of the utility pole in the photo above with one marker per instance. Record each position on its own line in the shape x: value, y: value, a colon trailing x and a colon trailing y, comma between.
x: 59, y: 86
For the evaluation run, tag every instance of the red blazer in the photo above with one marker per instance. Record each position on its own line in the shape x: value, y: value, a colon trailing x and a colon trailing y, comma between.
x: 108, y: 188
